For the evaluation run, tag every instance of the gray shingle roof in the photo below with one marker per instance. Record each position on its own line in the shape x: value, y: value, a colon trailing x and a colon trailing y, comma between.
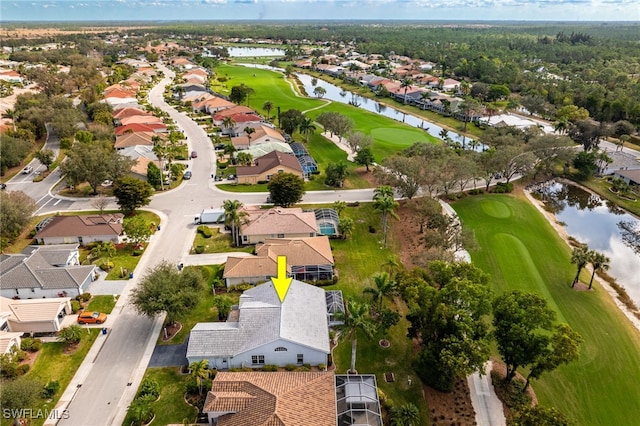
x: 301, y: 318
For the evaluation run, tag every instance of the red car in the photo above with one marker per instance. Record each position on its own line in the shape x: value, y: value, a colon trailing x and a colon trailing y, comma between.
x: 89, y: 317
x: 194, y: 154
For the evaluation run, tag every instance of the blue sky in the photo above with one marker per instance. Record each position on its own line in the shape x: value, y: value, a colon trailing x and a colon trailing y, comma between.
x: 133, y: 10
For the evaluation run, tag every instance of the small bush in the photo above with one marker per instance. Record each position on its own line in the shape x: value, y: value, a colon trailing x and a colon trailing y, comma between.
x: 107, y: 266
x: 354, y: 204
x: 240, y: 287
x: 137, y: 253
x: 476, y: 191
x: 85, y: 297
x: 322, y: 367
x: 30, y: 344
x: 19, y: 354
x: 199, y: 249
x: 270, y: 367
x: 75, y: 306
x: 205, y: 231
x: 23, y: 369
x: 222, y: 166
x: 303, y: 368
x: 307, y: 365
x: 50, y: 389
x: 290, y: 367
x: 503, y: 188
x: 8, y: 366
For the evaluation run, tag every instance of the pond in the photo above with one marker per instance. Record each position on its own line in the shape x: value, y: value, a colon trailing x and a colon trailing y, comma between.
x: 338, y: 94
x: 594, y: 221
x: 257, y: 52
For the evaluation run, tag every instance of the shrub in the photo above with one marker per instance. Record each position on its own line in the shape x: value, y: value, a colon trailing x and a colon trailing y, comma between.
x: 322, y: 367
x: 8, y: 366
x: 303, y: 368
x: 75, y: 306
x: 205, y: 231
x: 23, y: 369
x: 30, y: 344
x: 476, y: 191
x: 222, y: 166
x: 107, y: 266
x: 199, y: 249
x: 19, y: 354
x: 270, y: 367
x: 50, y: 389
x: 149, y: 387
x: 85, y: 297
x: 503, y: 188
x: 290, y: 367
x: 240, y: 287
x: 137, y: 252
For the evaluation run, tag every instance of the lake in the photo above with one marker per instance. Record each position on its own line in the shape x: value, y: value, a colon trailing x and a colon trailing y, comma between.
x: 594, y: 221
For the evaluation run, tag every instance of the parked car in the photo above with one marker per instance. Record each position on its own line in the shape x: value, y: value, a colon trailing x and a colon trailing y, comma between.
x: 89, y: 317
x: 217, y: 178
x: 231, y: 177
x: 187, y: 175
x: 27, y: 170
x: 194, y: 154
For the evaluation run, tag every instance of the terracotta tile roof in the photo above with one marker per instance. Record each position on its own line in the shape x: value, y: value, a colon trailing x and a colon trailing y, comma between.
x: 278, y: 398
x: 128, y: 112
x: 84, y: 225
x: 237, y: 109
x: 131, y: 139
x: 251, y: 267
x: 142, y: 119
x: 280, y: 220
x: 299, y: 251
x: 270, y: 161
x: 141, y: 127
x: 117, y: 92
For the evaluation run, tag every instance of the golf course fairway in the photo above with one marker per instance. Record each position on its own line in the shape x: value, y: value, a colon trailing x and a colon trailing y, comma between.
x: 521, y: 250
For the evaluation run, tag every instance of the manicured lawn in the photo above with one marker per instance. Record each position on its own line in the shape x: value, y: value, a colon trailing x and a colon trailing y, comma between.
x: 220, y: 242
x: 171, y: 407
x: 520, y: 250
x: 53, y: 364
x: 102, y: 304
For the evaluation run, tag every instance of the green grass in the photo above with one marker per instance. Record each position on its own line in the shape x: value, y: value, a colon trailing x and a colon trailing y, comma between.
x: 102, y: 304
x: 171, y: 408
x: 218, y: 243
x: 520, y: 250
x: 53, y: 364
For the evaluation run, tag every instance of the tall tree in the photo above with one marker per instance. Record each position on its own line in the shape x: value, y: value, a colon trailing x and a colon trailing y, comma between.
x: 355, y: 319
x: 290, y: 120
x: 199, y: 372
x: 286, y: 189
x: 249, y: 131
x: 598, y: 261
x: 137, y: 229
x: 383, y: 287
x: 15, y: 214
x: 336, y: 173
x: 268, y: 106
x: 306, y: 127
x: 234, y: 217
x: 580, y: 257
x: 131, y: 194
x: 364, y: 157
x: 166, y: 290
x: 385, y: 203
x: 405, y: 84
x: 228, y: 123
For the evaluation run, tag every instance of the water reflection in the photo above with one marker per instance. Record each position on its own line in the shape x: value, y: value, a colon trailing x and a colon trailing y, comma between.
x: 596, y: 222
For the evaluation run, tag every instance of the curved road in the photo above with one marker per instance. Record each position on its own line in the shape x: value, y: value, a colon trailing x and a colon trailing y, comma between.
x: 107, y: 380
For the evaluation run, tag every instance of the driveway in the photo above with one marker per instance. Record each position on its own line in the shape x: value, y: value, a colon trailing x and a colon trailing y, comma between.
x: 169, y: 355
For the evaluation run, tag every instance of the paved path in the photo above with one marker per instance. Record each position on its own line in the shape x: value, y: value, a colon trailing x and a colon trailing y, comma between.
x: 485, y: 402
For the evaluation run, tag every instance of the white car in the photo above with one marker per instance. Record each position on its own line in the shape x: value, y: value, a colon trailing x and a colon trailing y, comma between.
x: 27, y: 170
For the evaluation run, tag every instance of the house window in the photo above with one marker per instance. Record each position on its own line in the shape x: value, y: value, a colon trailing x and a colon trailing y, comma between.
x: 280, y: 235
x: 280, y: 349
x: 257, y: 359
x: 300, y: 358
x: 245, y: 239
x: 280, y: 170
x: 269, y: 177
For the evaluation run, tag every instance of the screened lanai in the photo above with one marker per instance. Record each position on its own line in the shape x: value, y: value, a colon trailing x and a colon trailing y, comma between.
x: 327, y: 220
x: 357, y: 400
x: 335, y: 306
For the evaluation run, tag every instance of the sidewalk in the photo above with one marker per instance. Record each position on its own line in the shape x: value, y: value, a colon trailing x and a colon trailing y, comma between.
x: 485, y: 402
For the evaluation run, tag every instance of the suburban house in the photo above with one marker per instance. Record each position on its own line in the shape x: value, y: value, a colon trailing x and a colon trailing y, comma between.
x: 262, y: 134
x: 268, y: 165
x: 211, y: 104
x: 9, y: 340
x: 34, y: 315
x: 250, y: 270
x: 134, y: 139
x: 11, y: 76
x: 308, y: 259
x: 140, y: 119
x: 630, y: 176
x: 140, y: 127
x: 277, y: 223
x: 44, y: 271
x: 82, y: 229
x: 265, y: 148
x: 265, y: 331
x: 287, y: 398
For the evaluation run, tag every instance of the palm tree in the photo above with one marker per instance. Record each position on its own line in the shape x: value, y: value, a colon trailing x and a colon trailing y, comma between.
x: 382, y: 191
x: 386, y: 205
x: 268, y: 106
x: 234, y: 218
x: 561, y: 126
x: 106, y: 251
x: 160, y: 150
x: 306, y: 127
x: 249, y: 131
x: 339, y: 206
x: 355, y: 319
x: 140, y: 411
x: 199, y: 371
x: 598, y: 261
x: 580, y: 257
x: 345, y: 227
x: 11, y: 114
x: 244, y: 158
x: 405, y: 83
x: 384, y: 287
x: 228, y: 124
x: 391, y: 263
